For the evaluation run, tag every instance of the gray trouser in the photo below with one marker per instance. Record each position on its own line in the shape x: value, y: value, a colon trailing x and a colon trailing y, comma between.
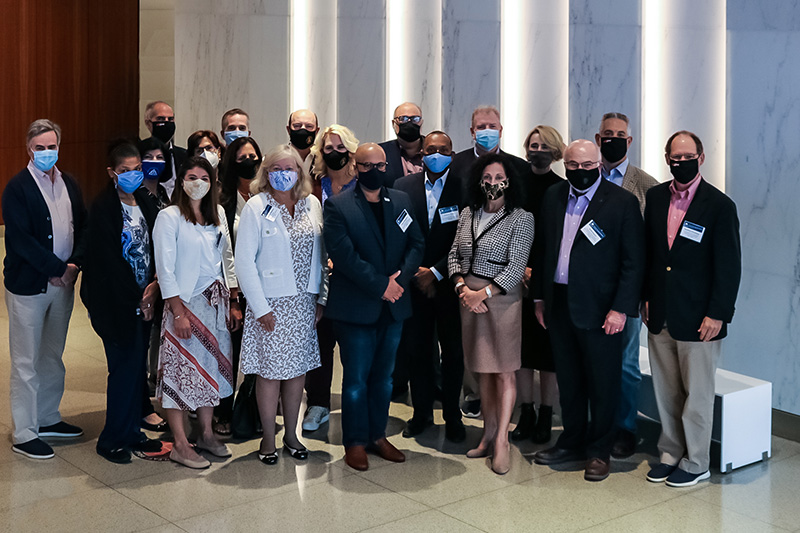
x: 37, y: 332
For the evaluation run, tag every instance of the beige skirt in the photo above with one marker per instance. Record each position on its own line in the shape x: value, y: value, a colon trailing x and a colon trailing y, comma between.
x: 492, y: 341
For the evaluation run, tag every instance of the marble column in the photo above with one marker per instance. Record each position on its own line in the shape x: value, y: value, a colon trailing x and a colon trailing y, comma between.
x: 605, y: 67
x: 156, y: 55
x: 470, y: 63
x: 763, y: 133
x: 320, y: 61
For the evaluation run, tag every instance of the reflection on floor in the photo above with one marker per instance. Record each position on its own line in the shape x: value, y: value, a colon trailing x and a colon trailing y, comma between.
x: 437, y: 489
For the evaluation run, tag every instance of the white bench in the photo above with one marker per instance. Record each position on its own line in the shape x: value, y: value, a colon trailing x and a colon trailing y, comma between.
x: 742, y: 415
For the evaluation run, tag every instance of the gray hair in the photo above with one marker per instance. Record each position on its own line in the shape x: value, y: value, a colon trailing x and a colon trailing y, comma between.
x: 43, y: 125
x: 615, y: 114
x: 148, y: 109
x: 484, y: 109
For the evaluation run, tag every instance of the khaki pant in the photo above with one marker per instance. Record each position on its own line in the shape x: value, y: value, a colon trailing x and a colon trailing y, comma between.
x: 37, y: 333
x: 683, y: 379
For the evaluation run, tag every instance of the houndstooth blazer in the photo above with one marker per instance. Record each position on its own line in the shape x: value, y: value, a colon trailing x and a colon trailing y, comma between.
x: 499, y: 253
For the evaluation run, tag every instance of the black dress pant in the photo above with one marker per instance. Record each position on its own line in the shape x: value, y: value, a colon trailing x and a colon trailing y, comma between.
x: 432, y: 318
x: 318, y: 381
x: 589, y: 371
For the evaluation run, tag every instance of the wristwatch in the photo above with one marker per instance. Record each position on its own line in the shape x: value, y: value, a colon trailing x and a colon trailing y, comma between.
x: 459, y: 285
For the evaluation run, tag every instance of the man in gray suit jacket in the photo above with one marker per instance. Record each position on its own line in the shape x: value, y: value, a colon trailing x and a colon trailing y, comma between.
x: 614, y: 140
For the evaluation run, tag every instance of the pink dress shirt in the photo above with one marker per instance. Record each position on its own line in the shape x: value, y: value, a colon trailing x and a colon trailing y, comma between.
x: 679, y: 203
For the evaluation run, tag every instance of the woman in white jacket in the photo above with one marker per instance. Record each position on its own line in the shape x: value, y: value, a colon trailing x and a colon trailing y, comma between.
x: 282, y: 269
x: 194, y: 264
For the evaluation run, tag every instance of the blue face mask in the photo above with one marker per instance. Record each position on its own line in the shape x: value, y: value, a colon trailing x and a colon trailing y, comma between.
x: 232, y: 135
x: 129, y: 181
x: 487, y: 139
x: 153, y: 169
x: 437, y: 162
x: 44, y: 160
x: 282, y: 180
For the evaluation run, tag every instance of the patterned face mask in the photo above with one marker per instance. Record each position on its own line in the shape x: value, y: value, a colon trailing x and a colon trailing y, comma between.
x: 493, y: 191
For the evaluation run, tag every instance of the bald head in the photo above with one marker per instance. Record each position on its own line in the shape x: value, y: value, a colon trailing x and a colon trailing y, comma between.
x: 370, y: 153
x: 303, y: 118
x: 582, y: 151
x: 407, y: 109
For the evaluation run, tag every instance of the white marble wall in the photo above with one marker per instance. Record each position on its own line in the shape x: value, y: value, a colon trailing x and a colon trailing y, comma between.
x: 763, y: 136
x: 321, y: 63
x: 156, y: 55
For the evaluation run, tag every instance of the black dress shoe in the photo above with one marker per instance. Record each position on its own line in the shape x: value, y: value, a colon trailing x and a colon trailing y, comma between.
x: 120, y: 456
x: 526, y: 422
x: 415, y: 426
x: 147, y: 446
x: 544, y: 425
x: 625, y: 445
x: 556, y: 455
x: 301, y: 454
x: 454, y: 431
x: 160, y: 427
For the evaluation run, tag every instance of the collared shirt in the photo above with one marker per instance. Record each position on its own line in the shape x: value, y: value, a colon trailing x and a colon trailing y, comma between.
x: 576, y: 207
x: 60, y: 206
x: 411, y: 165
x: 679, y: 202
x: 169, y: 185
x: 616, y: 174
x: 433, y: 192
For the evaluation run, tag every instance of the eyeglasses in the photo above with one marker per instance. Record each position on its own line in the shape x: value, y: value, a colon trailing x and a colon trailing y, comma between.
x: 586, y: 165
x: 369, y: 166
x: 683, y: 157
x: 402, y: 119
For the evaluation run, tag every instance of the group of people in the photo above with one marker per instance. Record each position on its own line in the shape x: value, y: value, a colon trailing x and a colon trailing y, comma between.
x: 459, y: 273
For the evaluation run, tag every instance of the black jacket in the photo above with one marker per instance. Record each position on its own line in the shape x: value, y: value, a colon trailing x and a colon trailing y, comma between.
x: 394, y: 171
x: 109, y: 289
x: 30, y: 261
x: 463, y: 161
x: 604, y: 276
x: 363, y: 259
x: 692, y: 280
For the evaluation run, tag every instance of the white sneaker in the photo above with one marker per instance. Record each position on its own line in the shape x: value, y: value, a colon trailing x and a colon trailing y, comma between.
x: 315, y: 417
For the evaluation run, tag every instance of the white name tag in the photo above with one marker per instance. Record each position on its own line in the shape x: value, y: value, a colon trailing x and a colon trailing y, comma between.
x: 448, y: 214
x: 404, y: 220
x: 693, y: 232
x: 593, y: 232
x: 270, y: 213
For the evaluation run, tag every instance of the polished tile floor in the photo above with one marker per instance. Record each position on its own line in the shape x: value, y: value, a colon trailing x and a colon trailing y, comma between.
x: 437, y: 489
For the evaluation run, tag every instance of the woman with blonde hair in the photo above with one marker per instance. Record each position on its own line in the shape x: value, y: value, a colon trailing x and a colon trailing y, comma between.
x: 334, y: 171
x: 282, y: 270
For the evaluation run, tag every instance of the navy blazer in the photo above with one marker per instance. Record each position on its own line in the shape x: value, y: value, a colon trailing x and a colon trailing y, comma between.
x: 363, y: 259
x: 692, y: 280
x: 109, y: 289
x: 30, y: 261
x: 438, y: 237
x: 604, y: 276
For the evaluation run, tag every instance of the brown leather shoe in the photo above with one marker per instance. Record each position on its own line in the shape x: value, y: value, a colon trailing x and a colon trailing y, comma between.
x: 387, y: 451
x: 596, y: 469
x: 356, y: 457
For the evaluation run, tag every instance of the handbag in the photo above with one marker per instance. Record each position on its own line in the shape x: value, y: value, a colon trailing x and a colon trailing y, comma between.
x: 246, y: 422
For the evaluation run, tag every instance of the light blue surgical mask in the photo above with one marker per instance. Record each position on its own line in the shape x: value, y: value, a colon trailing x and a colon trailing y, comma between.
x: 130, y: 181
x: 487, y: 139
x: 232, y: 135
x: 44, y: 160
x: 282, y: 180
x: 437, y: 162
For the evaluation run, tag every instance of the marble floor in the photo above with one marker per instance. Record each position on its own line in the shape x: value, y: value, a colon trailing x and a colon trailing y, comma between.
x: 437, y: 489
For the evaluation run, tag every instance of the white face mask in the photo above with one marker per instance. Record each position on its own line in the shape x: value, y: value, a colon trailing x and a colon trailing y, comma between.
x: 196, y: 189
x: 211, y: 157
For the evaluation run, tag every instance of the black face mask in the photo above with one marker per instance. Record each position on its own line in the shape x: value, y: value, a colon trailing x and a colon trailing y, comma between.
x: 164, y: 131
x: 613, y: 148
x: 371, y: 179
x: 581, y: 179
x: 684, y: 171
x: 540, y: 159
x: 409, y: 131
x: 246, y: 169
x: 301, y: 138
x: 336, y: 160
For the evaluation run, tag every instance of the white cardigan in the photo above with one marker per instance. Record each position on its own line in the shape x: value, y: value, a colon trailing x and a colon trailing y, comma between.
x: 177, y: 245
x: 264, y: 256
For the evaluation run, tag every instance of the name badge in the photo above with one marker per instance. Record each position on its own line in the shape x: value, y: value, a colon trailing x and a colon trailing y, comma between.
x: 269, y: 213
x: 693, y: 232
x: 404, y: 220
x: 448, y: 214
x: 593, y: 232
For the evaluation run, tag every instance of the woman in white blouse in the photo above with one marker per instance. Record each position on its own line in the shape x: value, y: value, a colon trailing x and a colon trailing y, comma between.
x: 194, y: 263
x: 282, y: 267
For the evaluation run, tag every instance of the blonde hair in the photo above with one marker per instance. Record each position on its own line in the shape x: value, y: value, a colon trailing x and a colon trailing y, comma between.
x: 261, y: 183
x: 550, y: 137
x: 348, y: 140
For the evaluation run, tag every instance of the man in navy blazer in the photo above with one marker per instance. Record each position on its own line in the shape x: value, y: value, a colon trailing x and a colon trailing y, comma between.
x: 694, y: 266
x: 586, y: 281
x: 404, y: 154
x: 376, y: 246
x: 437, y: 197
x: 45, y: 220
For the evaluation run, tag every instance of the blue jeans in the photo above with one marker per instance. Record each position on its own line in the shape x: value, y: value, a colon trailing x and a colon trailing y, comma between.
x: 368, y: 354
x: 631, y: 375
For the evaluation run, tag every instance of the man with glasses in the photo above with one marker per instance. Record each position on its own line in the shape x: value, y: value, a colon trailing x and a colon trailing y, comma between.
x: 694, y: 266
x: 437, y: 199
x: 614, y: 140
x: 586, y: 281
x: 372, y: 236
x: 404, y: 154
x: 302, y: 129
x: 159, y: 118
